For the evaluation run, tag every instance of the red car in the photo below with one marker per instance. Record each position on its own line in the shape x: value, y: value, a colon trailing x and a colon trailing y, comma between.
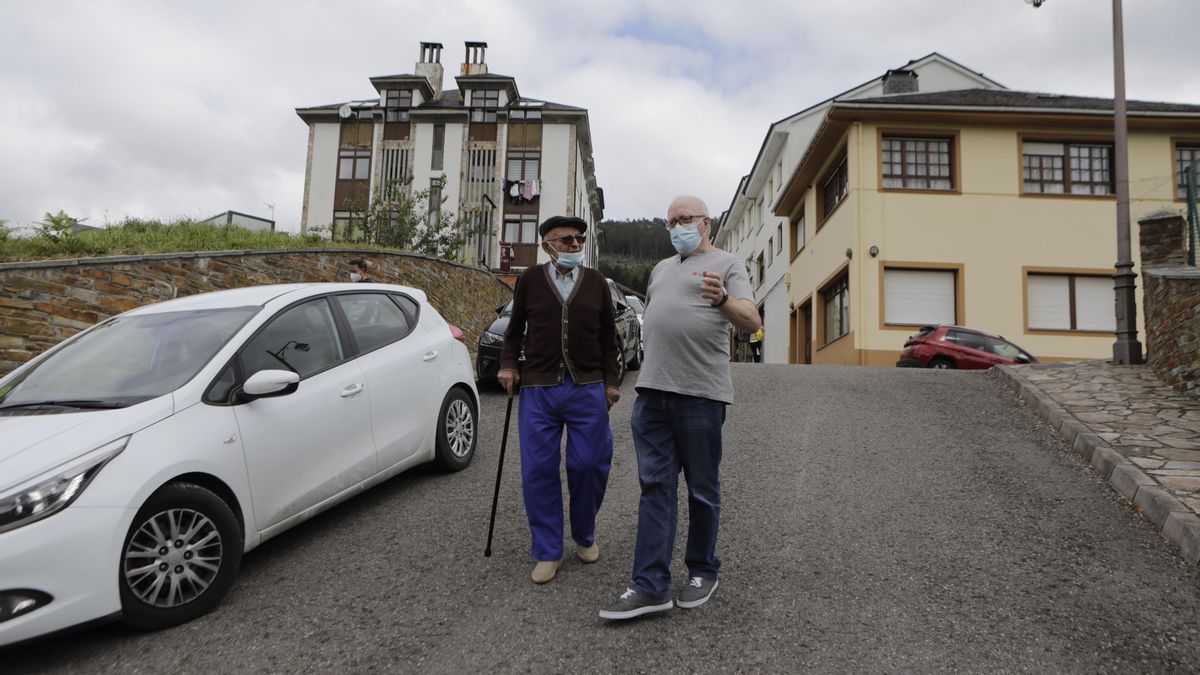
x: 957, y: 347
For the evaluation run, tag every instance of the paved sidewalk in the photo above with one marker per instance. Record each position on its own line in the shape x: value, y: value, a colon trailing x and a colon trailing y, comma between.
x: 1137, y: 432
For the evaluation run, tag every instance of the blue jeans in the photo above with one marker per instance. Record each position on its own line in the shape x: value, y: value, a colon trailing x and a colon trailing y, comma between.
x: 673, y: 432
x: 583, y: 410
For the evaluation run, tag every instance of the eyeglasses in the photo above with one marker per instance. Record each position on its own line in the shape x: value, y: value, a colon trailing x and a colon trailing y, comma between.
x: 566, y: 241
x: 683, y: 220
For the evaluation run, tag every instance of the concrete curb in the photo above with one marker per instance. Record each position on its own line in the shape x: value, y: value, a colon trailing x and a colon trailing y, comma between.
x: 1171, y: 517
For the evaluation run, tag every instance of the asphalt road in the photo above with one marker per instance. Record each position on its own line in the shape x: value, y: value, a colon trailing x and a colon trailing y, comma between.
x: 874, y: 520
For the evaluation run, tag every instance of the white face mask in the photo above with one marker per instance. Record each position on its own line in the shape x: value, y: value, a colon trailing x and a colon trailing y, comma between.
x: 355, y: 277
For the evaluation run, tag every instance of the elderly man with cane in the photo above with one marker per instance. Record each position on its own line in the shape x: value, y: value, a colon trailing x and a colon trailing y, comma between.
x: 563, y: 317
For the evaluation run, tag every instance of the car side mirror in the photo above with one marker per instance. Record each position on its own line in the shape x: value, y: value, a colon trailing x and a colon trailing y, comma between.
x: 268, y: 384
x: 621, y: 307
x: 500, y: 309
x: 1023, y: 358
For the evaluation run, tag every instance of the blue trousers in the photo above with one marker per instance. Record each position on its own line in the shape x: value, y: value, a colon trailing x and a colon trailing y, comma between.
x: 544, y: 412
x: 673, y: 432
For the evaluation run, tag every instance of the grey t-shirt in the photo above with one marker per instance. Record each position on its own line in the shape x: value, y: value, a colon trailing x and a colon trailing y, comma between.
x: 686, y: 338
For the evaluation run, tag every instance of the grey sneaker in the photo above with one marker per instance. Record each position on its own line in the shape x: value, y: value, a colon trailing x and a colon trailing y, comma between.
x: 631, y: 604
x: 697, y: 592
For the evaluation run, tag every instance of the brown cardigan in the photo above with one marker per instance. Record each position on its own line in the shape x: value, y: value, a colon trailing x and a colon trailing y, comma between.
x: 586, y: 323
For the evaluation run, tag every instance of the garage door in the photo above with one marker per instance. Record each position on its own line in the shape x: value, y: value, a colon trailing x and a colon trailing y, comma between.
x: 918, y: 297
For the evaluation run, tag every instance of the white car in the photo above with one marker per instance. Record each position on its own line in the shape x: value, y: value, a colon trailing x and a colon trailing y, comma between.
x: 141, y: 458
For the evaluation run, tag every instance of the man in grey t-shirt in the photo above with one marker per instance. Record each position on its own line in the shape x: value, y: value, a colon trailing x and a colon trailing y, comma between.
x: 683, y: 389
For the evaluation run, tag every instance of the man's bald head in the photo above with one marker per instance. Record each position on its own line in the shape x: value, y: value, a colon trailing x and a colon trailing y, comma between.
x: 689, y: 205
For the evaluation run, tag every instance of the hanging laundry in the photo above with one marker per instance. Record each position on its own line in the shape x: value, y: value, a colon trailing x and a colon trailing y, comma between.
x: 537, y: 187
x: 527, y: 189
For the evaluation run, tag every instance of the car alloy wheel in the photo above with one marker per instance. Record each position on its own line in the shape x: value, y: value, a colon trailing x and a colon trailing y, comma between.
x: 460, y: 428
x: 173, y: 558
x: 181, y: 554
x: 457, y: 431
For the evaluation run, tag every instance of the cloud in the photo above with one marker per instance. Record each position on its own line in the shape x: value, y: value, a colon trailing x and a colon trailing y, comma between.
x: 162, y: 109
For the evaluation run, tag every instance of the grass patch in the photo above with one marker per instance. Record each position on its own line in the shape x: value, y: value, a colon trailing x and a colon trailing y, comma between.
x: 136, y: 237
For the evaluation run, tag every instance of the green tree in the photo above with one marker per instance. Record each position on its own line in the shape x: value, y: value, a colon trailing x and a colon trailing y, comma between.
x: 57, y: 226
x: 409, y: 220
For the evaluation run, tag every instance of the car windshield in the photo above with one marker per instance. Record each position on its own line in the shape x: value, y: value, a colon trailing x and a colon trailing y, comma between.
x: 635, y: 303
x: 127, y: 359
x: 1003, y: 348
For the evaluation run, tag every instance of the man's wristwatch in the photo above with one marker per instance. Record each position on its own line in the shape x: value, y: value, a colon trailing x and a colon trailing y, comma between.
x: 724, y: 298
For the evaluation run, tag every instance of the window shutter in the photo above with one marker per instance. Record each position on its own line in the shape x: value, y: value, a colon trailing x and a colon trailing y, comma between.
x: 1095, y: 301
x: 918, y: 297
x: 1049, y: 302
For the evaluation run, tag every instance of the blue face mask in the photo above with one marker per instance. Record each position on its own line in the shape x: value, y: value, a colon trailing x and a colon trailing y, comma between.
x: 569, y: 260
x: 685, y: 238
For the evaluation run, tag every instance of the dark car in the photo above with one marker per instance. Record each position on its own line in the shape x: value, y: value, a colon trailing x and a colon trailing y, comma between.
x: 487, y: 362
x: 629, y: 328
x: 947, y: 347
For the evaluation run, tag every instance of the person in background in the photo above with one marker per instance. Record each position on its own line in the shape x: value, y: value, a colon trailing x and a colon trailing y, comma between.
x: 756, y: 345
x: 358, y: 272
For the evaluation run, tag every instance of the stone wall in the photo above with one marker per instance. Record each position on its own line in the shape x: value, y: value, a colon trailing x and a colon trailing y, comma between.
x: 44, y: 302
x: 1171, y: 300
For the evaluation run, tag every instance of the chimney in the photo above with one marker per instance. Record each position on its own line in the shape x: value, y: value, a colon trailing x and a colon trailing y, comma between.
x: 474, y: 63
x: 430, y: 66
x: 899, y: 82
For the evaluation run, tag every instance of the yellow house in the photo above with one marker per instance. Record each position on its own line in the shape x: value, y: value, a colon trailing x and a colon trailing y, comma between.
x: 993, y: 209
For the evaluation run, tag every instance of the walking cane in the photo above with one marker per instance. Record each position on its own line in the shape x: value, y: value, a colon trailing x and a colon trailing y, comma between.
x: 487, y: 552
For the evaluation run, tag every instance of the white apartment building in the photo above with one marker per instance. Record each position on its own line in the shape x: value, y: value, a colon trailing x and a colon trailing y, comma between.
x: 748, y: 228
x: 504, y: 160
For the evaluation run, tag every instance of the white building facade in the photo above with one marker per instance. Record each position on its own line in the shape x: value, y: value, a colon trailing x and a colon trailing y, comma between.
x: 767, y: 243
x: 501, y: 160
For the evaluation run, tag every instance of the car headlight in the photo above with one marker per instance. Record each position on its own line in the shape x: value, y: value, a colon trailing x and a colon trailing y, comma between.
x: 52, y: 492
x: 490, y: 338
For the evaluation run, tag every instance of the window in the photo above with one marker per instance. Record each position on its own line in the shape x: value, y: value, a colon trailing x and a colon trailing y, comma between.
x: 1071, y: 302
x: 835, y: 188
x: 1185, y: 155
x: 836, y: 297
x: 917, y: 163
x: 798, y: 230
x: 918, y: 297
x: 520, y: 228
x: 354, y: 164
x: 525, y: 129
x: 523, y: 165
x: 374, y: 319
x: 439, y: 147
x: 760, y: 270
x: 779, y: 238
x: 304, y: 339
x: 435, y: 200
x: 483, y: 105
x: 396, y: 103
x: 1067, y: 168
x: 770, y: 251
x: 779, y: 173
x: 357, y: 133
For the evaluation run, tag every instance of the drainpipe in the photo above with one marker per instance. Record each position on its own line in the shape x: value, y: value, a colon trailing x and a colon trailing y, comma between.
x: 861, y: 333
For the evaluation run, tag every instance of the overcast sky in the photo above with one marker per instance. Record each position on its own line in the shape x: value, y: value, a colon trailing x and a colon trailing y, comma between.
x: 160, y: 109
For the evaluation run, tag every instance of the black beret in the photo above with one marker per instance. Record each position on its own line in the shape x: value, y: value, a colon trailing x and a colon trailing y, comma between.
x: 562, y: 221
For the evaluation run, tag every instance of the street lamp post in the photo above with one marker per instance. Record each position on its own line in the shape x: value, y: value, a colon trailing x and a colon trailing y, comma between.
x: 1126, y: 350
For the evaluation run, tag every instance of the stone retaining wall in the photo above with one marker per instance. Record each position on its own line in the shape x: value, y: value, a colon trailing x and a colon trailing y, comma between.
x: 1171, y: 300
x: 44, y: 302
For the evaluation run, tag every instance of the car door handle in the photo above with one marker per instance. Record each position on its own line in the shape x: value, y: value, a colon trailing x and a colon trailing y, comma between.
x: 430, y: 355
x: 352, y: 390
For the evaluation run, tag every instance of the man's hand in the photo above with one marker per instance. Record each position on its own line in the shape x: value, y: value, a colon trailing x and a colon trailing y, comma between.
x: 712, y: 288
x: 613, y: 395
x: 509, y: 379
